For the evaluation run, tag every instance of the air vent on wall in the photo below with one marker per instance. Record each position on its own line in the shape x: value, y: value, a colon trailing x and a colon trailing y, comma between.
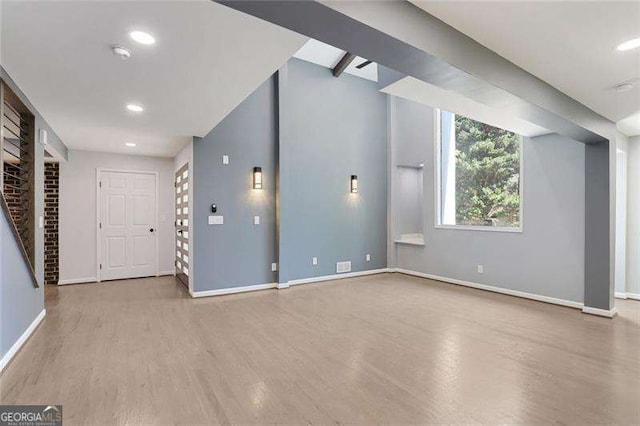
x: 342, y: 267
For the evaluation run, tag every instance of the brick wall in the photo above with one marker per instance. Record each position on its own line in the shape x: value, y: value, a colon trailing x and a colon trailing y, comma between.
x: 51, y: 191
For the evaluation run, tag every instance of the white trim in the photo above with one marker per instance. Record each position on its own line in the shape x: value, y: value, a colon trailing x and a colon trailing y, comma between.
x: 509, y: 292
x: 21, y: 340
x: 438, y: 201
x: 338, y: 276
x: 78, y: 281
x: 481, y: 228
x: 165, y: 273
x: 600, y: 312
x: 633, y: 296
x: 620, y: 295
x: 232, y: 290
x: 282, y: 286
x: 100, y: 170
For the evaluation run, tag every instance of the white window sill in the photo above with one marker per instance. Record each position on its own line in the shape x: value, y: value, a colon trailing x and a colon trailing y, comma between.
x: 480, y: 228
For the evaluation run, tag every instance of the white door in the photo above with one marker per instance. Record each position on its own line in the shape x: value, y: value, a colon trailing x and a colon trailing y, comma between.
x: 127, y: 225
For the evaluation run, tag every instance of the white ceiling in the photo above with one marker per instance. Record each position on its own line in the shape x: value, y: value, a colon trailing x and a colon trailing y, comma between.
x: 206, y: 60
x: 327, y: 56
x: 570, y: 45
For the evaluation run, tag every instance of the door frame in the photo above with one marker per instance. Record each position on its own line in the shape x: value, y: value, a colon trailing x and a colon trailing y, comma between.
x: 99, y: 172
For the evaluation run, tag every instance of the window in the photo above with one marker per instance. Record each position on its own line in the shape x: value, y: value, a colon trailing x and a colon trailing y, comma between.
x: 478, y: 175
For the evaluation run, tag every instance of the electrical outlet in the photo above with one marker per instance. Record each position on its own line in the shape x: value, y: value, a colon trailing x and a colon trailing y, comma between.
x: 314, y: 261
x: 481, y: 269
x: 256, y: 220
x: 225, y: 159
x: 274, y: 267
x: 368, y: 257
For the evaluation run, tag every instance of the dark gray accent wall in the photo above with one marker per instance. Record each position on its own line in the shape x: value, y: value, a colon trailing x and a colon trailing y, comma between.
x: 237, y: 253
x: 331, y: 128
x: 597, y: 292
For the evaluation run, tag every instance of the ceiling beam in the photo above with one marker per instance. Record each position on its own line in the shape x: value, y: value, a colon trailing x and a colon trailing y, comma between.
x: 342, y: 65
x: 446, y: 58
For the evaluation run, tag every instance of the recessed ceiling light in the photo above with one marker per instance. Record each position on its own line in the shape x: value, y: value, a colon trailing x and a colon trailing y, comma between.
x: 142, y: 37
x: 135, y: 108
x: 624, y: 87
x: 130, y: 144
x: 628, y: 45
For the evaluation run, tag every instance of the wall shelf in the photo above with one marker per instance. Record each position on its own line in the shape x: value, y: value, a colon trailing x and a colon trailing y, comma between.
x: 411, y: 239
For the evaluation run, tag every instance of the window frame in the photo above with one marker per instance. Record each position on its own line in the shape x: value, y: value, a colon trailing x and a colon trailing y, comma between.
x: 438, y: 187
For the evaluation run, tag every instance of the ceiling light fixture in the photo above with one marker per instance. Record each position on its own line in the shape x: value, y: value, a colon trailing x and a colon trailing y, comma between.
x: 628, y: 45
x: 135, y: 108
x: 142, y: 37
x: 121, y: 51
x: 130, y: 144
x: 624, y: 87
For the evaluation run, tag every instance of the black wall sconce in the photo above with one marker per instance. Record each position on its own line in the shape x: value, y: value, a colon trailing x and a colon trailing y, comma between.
x: 257, y: 178
x: 354, y: 184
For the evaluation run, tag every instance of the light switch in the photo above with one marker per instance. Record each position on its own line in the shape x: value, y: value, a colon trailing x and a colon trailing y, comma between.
x: 225, y: 159
x: 216, y: 220
x: 314, y: 261
x: 274, y: 267
x: 256, y: 220
x: 41, y: 221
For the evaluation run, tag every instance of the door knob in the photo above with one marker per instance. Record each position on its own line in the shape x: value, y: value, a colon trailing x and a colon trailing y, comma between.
x: 151, y: 230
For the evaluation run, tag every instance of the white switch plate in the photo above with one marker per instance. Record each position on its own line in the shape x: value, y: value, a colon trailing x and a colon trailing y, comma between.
x: 225, y: 159
x: 368, y: 257
x: 216, y: 220
x: 481, y: 269
x: 314, y: 261
x: 41, y: 221
x: 274, y: 267
x: 256, y: 220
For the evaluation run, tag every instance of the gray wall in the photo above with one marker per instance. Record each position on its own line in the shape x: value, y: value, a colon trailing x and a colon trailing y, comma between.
x: 20, y: 302
x: 547, y: 258
x: 331, y: 128
x: 237, y: 253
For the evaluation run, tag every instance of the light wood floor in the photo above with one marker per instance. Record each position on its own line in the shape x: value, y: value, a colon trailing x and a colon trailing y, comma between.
x: 380, y: 349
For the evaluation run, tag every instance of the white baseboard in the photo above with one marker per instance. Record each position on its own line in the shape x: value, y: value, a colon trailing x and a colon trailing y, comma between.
x: 233, y: 290
x: 620, y: 295
x: 21, y: 341
x: 600, y: 312
x: 522, y: 294
x: 164, y: 273
x: 78, y: 281
x: 634, y: 296
x: 339, y: 276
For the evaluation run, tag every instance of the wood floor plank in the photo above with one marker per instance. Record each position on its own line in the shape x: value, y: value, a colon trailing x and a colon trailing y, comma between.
x: 385, y: 348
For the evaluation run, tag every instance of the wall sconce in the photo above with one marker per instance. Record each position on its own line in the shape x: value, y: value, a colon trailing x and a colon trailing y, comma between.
x: 257, y: 178
x: 354, y: 184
